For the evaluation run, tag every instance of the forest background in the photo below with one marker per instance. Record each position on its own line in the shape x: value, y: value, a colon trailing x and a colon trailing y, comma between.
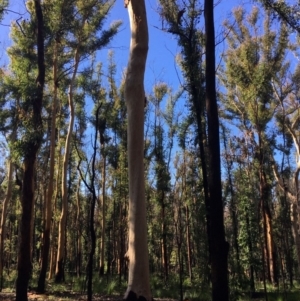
x: 258, y: 94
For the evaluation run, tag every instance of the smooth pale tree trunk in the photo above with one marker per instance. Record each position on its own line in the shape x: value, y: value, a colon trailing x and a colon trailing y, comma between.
x: 138, y: 278
x: 49, y: 195
x: 27, y: 197
x: 295, y: 200
x: 218, y: 247
x: 59, y: 269
x: 53, y: 227
x: 3, y: 217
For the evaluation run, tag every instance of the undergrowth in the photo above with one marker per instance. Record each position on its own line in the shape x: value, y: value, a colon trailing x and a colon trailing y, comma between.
x: 113, y: 285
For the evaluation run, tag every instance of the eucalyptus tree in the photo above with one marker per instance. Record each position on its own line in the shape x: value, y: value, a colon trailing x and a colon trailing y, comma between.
x: 286, y: 90
x: 248, y: 221
x: 85, y: 37
x: 218, y: 246
x: 118, y: 166
x: 229, y: 193
x: 91, y: 187
x: 189, y: 224
x: 107, y: 122
x: 159, y: 151
x: 57, y: 29
x: 286, y: 12
x: 183, y: 20
x: 9, y: 123
x: 28, y: 66
x: 93, y: 87
x: 138, y: 279
x: 251, y: 60
x: 161, y: 169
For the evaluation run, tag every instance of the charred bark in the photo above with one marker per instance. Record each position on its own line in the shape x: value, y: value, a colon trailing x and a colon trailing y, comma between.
x: 218, y: 247
x: 27, y: 198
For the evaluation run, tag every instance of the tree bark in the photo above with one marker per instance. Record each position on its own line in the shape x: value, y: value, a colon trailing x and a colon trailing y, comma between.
x: 78, y: 232
x: 53, y: 250
x: 27, y: 198
x: 218, y: 247
x: 102, y: 254
x: 138, y: 279
x: 49, y: 195
x: 59, y: 270
x: 293, y: 197
x: 270, y: 252
x: 3, y: 217
x: 188, y: 243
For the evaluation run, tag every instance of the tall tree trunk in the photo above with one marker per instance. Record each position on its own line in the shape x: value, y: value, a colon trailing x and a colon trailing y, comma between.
x: 102, y: 250
x: 27, y: 198
x: 164, y: 240
x: 188, y: 242
x: 293, y: 199
x: 218, y: 246
x: 232, y: 208
x: 3, y: 217
x: 295, y: 204
x: 249, y: 243
x: 270, y: 252
x: 53, y: 250
x: 59, y: 270
x: 78, y: 232
x: 49, y: 195
x: 138, y: 279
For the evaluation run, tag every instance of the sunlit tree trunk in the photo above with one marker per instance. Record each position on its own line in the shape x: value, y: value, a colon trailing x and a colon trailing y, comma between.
x: 3, y: 217
x: 59, y: 269
x: 48, y: 200
x: 53, y: 250
x: 138, y: 279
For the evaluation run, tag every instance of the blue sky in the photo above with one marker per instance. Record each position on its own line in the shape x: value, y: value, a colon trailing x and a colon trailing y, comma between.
x: 163, y: 47
x: 161, y: 65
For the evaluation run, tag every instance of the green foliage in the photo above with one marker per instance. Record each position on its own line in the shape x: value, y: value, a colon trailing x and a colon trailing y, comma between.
x: 286, y: 12
x: 192, y: 291
x: 252, y: 60
x: 3, y: 6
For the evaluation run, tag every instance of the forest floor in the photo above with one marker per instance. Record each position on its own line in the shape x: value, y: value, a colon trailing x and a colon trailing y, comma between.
x: 65, y: 296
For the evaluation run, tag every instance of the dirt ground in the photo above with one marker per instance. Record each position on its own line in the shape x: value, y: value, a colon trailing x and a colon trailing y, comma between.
x: 65, y: 296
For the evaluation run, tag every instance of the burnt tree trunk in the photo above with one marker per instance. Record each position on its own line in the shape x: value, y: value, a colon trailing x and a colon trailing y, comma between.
x: 27, y: 198
x: 218, y: 247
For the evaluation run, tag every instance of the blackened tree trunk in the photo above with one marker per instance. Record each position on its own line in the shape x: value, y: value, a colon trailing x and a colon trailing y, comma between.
x: 32, y: 147
x: 218, y: 247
